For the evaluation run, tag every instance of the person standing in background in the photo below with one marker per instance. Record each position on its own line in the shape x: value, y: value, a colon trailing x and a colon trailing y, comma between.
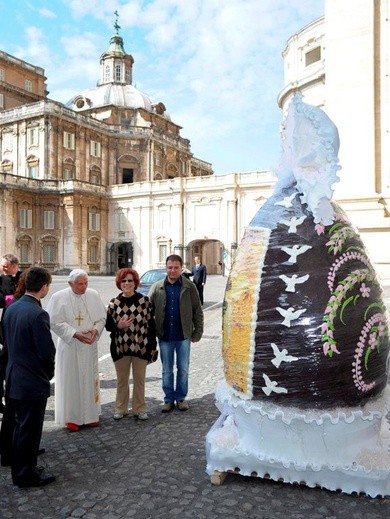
x: 77, y: 316
x: 31, y: 354
x: 199, y: 274
x: 8, y: 283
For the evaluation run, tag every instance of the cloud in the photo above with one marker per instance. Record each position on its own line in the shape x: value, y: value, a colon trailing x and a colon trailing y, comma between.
x: 47, y: 13
x: 35, y: 49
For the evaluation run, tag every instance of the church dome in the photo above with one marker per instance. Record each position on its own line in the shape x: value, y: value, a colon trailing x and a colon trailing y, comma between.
x: 114, y: 94
x: 115, y: 87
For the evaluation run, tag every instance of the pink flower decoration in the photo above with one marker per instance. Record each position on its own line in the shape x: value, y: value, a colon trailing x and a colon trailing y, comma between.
x: 365, y: 290
x: 334, y: 348
x: 372, y: 340
x: 319, y: 228
x: 326, y: 347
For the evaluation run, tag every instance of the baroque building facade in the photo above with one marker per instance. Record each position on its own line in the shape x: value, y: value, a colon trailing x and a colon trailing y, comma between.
x: 107, y: 180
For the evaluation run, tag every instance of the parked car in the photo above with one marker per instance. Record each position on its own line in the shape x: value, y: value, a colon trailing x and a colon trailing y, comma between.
x: 148, y: 278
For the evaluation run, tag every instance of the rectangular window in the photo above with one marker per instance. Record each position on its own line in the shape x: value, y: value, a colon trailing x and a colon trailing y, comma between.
x: 32, y: 137
x: 1, y: 100
x: 95, y: 149
x: 94, y: 179
x: 94, y: 221
x: 48, y: 219
x: 118, y: 73
x: 69, y: 141
x: 162, y: 252
x: 121, y: 222
x: 107, y: 74
x: 312, y: 56
x: 8, y: 140
x: 158, y: 158
x: 25, y: 218
x: 1, y: 74
x: 128, y: 176
x: 49, y: 253
x: 32, y: 171
x: 28, y: 85
x: 24, y: 253
x: 93, y: 253
x: 68, y: 174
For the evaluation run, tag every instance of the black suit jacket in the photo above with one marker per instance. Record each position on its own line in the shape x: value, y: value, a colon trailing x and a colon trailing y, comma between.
x: 199, y: 276
x: 31, y: 350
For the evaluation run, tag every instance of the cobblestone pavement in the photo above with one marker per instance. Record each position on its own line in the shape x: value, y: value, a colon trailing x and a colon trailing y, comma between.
x: 156, y: 469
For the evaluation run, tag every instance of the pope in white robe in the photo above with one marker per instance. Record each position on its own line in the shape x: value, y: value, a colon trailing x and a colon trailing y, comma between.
x: 77, y: 317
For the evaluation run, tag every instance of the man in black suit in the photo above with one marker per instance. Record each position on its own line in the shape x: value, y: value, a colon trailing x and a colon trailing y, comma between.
x: 199, y: 274
x: 8, y: 283
x: 30, y: 368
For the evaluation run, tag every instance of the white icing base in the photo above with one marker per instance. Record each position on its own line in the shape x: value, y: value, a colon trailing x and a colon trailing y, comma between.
x: 344, y: 448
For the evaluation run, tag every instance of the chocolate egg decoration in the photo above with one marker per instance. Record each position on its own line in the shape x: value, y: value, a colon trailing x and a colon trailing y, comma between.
x: 305, y: 336
x: 309, y: 316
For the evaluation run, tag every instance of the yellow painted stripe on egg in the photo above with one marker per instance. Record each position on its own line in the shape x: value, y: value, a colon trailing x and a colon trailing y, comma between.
x: 240, y: 314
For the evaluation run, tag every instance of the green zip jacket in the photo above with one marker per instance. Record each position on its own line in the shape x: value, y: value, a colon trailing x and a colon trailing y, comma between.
x: 191, y: 312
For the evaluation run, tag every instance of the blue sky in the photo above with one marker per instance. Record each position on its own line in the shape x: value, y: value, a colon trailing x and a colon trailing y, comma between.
x: 216, y: 64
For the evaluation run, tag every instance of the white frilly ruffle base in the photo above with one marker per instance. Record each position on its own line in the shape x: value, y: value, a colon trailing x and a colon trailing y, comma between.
x: 343, y: 449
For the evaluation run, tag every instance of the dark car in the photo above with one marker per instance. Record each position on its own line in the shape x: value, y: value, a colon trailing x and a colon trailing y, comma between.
x: 148, y: 278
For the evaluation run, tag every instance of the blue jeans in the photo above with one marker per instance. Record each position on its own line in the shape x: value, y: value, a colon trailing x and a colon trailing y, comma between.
x: 167, y: 354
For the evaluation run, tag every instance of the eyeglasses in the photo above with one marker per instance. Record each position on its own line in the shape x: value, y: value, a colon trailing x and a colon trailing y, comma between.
x: 127, y: 280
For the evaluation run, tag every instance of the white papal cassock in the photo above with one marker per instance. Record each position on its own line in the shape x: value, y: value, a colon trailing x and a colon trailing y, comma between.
x: 77, y: 387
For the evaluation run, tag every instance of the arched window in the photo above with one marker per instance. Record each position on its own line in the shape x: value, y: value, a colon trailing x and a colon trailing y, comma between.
x: 95, y: 175
x: 32, y: 167
x: 68, y: 169
x: 49, y: 246
x: 24, y: 243
x: 118, y: 73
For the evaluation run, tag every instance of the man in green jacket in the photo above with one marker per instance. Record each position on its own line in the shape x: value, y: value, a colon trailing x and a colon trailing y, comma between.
x: 179, y: 321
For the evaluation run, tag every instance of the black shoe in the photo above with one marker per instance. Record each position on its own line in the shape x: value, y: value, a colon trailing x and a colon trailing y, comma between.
x: 41, y: 451
x: 36, y: 481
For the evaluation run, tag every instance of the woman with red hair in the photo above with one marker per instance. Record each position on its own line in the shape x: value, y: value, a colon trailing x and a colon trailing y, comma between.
x: 133, y: 342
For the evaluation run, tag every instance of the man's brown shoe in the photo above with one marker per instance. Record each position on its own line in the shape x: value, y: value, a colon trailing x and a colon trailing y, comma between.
x: 182, y: 405
x: 168, y: 407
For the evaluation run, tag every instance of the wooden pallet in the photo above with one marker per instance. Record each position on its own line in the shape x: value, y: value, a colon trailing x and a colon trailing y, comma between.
x: 218, y: 478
